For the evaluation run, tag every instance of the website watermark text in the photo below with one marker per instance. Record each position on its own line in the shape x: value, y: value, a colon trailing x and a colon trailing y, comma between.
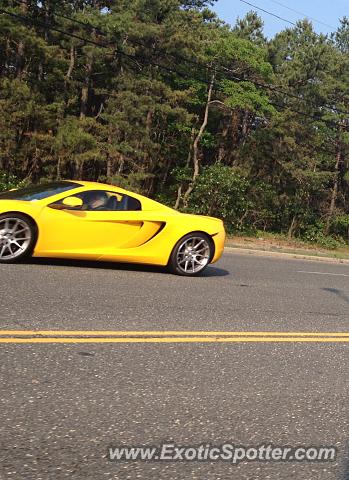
x: 227, y: 452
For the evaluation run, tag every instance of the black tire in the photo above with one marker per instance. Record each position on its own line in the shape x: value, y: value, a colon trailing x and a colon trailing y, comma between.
x: 18, y: 235
x: 186, y: 259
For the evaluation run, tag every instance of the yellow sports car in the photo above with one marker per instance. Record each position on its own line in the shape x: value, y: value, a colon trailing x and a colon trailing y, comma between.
x: 93, y: 221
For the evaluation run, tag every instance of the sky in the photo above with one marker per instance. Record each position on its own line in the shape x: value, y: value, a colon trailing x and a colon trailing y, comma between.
x: 326, y: 12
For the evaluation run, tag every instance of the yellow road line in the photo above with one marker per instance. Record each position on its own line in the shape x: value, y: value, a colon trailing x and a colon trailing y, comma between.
x: 209, y: 339
x: 122, y: 333
x: 122, y: 336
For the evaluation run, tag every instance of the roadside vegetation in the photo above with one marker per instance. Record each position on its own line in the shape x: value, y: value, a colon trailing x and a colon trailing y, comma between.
x: 162, y: 97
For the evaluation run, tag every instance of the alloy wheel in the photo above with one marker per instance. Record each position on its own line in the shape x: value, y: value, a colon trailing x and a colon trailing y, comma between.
x: 193, y: 255
x: 15, y: 238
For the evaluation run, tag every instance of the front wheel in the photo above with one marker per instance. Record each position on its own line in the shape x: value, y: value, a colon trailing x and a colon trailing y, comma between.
x: 192, y: 254
x: 17, y: 237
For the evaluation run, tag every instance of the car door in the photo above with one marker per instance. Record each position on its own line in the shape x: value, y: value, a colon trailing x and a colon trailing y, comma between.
x: 90, y: 232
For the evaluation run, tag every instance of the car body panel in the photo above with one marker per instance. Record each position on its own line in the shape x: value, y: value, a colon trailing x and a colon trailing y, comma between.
x: 145, y: 236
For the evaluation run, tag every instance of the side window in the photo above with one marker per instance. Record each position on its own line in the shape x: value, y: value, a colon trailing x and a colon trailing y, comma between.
x: 102, y: 200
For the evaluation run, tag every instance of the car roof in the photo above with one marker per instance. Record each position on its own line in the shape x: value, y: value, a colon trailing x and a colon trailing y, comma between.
x: 84, y: 183
x: 100, y: 186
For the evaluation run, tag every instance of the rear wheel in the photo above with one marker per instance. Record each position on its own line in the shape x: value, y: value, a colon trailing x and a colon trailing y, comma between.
x: 17, y: 237
x: 192, y: 254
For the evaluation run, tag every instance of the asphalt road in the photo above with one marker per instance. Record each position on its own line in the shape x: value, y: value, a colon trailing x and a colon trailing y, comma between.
x: 62, y: 405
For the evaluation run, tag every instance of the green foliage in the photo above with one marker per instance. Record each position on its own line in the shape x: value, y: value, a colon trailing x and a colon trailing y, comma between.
x: 246, y: 96
x: 315, y: 234
x: 75, y: 143
x: 133, y: 181
x: 251, y: 28
x: 8, y: 182
x: 266, y: 214
x: 222, y: 192
x: 340, y: 226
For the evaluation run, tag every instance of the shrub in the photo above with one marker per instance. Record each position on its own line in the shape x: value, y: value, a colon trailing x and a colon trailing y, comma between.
x: 315, y: 234
x: 221, y: 191
x: 8, y: 181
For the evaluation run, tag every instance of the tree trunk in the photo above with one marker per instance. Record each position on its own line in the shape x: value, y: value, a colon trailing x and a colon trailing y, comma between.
x: 109, y: 168
x: 46, y: 6
x: 246, y: 125
x: 179, y: 197
x: 20, y: 61
x: 149, y: 121
x: 180, y: 188
x: 71, y: 63
x: 224, y: 139
x: 334, y: 193
x: 7, y: 61
x: 79, y: 168
x: 121, y: 164
x: 110, y: 163
x: 196, y: 160
x: 86, y: 86
x: 58, y: 172
x: 293, y: 227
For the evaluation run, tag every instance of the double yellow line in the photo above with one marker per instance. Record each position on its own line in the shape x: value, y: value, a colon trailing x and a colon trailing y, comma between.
x: 105, y: 336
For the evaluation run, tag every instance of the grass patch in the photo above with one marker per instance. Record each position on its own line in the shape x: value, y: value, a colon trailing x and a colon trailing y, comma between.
x: 273, y: 242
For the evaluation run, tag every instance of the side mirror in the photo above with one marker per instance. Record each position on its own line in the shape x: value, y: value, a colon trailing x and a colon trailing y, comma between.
x: 72, y: 202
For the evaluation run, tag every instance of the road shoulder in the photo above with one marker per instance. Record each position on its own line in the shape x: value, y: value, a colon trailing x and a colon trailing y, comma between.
x: 317, y: 257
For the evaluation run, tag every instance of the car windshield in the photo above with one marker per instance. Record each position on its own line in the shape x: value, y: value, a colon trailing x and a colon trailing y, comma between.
x: 39, y: 192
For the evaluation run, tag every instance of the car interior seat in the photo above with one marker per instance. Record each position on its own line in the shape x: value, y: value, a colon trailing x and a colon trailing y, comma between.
x: 112, y: 204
